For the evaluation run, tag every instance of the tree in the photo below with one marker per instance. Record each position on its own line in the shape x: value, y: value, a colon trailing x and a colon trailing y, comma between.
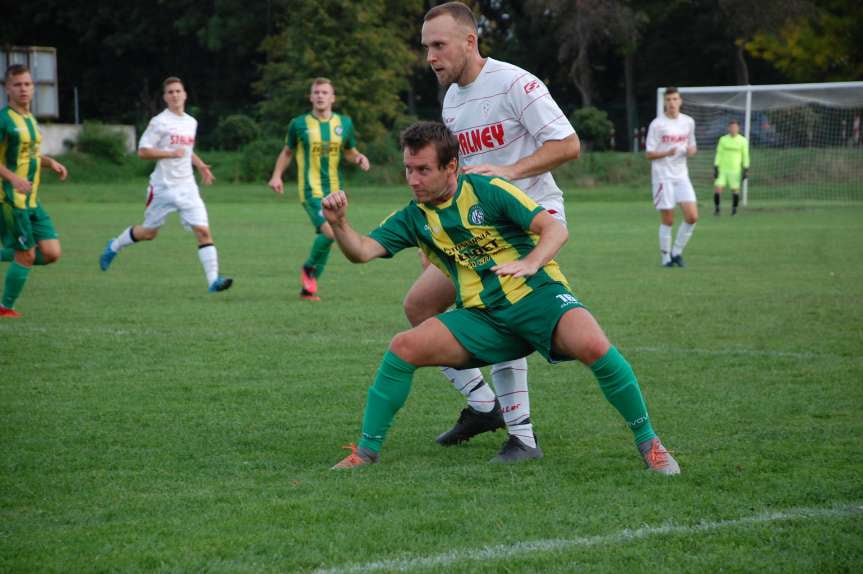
x: 821, y: 46
x: 580, y: 26
x: 747, y: 19
x: 364, y: 48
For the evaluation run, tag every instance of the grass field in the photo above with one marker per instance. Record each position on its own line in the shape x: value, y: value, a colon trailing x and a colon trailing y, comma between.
x: 150, y: 426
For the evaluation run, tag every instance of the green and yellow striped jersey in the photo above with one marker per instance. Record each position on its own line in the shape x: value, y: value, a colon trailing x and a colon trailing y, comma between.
x: 732, y: 154
x: 485, y: 223
x: 19, y: 149
x: 318, y: 147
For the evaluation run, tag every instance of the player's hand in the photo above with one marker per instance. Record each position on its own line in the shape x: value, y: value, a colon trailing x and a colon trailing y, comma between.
x: 363, y: 162
x: 277, y: 185
x: 20, y: 184
x: 335, y: 207
x: 503, y: 171
x: 179, y: 152
x: 206, y: 175
x: 745, y: 173
x: 518, y: 268
x: 58, y: 168
x: 715, y: 172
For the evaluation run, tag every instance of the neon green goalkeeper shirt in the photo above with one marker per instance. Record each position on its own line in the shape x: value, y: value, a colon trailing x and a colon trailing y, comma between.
x: 732, y: 154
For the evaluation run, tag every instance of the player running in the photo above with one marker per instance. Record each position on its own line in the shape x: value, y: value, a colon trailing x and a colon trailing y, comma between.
x: 169, y: 140
x: 26, y: 230
x: 497, y: 246
x: 318, y: 138
x: 670, y: 140
x: 730, y: 166
x: 507, y: 125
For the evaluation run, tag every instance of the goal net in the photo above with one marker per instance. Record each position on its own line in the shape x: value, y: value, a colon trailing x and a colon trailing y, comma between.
x: 805, y: 140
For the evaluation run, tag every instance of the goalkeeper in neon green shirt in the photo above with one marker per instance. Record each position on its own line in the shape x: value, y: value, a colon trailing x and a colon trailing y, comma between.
x: 731, y: 165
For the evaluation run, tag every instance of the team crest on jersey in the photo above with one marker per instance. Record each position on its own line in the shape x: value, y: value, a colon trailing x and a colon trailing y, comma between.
x: 476, y: 215
x: 339, y: 130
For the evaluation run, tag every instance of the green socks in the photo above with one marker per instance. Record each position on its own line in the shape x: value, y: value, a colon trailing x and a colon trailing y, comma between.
x: 320, y: 254
x: 620, y: 387
x: 386, y: 396
x: 16, y: 277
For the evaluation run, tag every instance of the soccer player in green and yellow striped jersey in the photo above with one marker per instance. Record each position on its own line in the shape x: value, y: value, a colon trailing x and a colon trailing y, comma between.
x: 318, y: 139
x: 26, y: 230
x: 730, y: 165
x: 497, y: 246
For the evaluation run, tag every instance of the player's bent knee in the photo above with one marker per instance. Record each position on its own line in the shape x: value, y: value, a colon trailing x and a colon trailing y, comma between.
x: 593, y: 350
x: 407, y: 347
x: 418, y: 309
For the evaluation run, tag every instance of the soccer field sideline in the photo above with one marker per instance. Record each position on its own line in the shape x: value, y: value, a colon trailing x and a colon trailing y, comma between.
x: 166, y: 429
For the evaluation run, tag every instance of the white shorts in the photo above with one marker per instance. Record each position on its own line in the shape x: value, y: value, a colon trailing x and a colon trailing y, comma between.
x: 669, y: 192
x: 185, y: 199
x: 554, y: 206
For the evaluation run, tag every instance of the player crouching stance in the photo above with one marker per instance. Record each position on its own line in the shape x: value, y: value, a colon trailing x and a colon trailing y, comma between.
x: 169, y: 140
x: 496, y: 245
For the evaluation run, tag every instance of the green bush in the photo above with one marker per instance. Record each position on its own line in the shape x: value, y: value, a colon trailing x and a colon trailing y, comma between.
x: 236, y: 131
x: 593, y: 127
x: 101, y: 141
x: 259, y: 157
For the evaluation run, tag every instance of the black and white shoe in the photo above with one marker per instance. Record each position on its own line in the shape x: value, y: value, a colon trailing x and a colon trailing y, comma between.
x: 471, y: 423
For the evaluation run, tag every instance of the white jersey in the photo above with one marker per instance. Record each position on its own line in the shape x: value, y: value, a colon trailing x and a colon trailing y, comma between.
x: 664, y: 134
x: 506, y: 114
x: 168, y: 131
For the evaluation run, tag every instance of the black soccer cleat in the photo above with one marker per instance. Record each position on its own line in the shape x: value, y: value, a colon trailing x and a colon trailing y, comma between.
x: 471, y: 423
x: 677, y: 260
x: 513, y: 450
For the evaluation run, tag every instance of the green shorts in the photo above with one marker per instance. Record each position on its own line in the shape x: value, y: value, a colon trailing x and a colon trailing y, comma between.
x: 730, y: 179
x: 315, y: 212
x: 22, y: 229
x: 494, y: 336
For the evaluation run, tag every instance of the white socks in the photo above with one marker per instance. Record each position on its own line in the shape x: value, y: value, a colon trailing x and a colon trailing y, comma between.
x: 510, y: 382
x: 122, y: 240
x: 209, y: 261
x: 684, y: 232
x: 471, y: 385
x: 665, y: 243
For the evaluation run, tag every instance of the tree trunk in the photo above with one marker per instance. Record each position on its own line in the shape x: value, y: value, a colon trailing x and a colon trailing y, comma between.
x: 629, y: 88
x: 740, y: 66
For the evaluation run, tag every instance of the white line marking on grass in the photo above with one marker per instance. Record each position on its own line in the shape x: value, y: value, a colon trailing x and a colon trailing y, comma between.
x: 520, y: 549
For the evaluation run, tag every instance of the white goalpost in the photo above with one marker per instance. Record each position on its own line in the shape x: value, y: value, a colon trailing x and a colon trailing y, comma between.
x: 805, y: 140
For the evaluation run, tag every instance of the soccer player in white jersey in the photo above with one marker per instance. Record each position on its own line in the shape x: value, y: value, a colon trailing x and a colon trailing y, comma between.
x: 670, y: 140
x: 169, y: 140
x: 508, y: 125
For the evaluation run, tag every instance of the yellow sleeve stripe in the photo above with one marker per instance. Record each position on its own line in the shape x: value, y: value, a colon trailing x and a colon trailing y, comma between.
x: 521, y: 196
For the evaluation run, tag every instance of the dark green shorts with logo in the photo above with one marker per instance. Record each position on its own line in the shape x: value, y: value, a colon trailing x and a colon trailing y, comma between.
x: 22, y: 229
x: 315, y: 212
x: 494, y: 336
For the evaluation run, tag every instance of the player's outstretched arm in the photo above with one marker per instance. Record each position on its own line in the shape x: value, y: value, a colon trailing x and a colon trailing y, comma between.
x: 548, y: 156
x: 552, y: 236
x: 157, y: 154
x: 354, y: 156
x: 18, y: 182
x: 357, y: 248
x: 204, y: 169
x: 282, y: 163
x: 55, y: 166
